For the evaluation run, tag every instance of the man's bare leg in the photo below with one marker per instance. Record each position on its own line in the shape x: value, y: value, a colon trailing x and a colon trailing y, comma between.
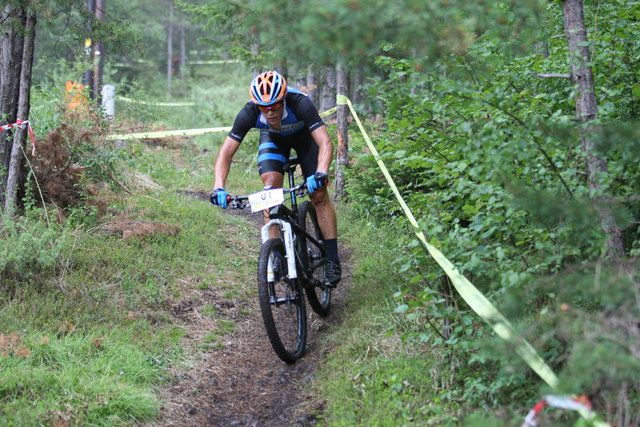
x: 325, y: 212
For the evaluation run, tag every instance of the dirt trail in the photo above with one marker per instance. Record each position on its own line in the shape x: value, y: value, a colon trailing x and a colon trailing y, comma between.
x: 242, y: 382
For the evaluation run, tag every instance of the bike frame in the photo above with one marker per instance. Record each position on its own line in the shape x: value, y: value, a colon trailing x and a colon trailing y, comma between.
x: 288, y: 231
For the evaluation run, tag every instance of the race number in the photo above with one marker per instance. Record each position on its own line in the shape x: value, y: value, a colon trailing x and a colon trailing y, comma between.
x: 266, y: 199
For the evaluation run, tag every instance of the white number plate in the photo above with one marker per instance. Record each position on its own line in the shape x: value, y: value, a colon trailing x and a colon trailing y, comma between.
x: 266, y: 199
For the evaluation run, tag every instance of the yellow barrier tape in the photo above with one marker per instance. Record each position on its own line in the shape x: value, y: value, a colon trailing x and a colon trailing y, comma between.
x: 329, y: 112
x: 187, y: 132
x: 167, y: 133
x: 158, y: 104
x: 478, y: 302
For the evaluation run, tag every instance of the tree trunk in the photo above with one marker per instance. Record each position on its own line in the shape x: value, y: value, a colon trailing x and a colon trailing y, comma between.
x: 356, y: 87
x: 16, y: 177
x: 255, y: 51
x: 183, y: 52
x: 89, y: 74
x: 10, y: 63
x: 328, y: 92
x: 170, y: 50
x: 312, y: 89
x: 99, y: 53
x: 282, y: 67
x: 586, y: 111
x: 342, y: 159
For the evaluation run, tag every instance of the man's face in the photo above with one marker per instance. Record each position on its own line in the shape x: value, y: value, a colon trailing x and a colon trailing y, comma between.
x: 273, y: 112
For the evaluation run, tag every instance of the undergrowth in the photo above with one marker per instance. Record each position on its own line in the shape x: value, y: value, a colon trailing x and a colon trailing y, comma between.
x: 92, y: 279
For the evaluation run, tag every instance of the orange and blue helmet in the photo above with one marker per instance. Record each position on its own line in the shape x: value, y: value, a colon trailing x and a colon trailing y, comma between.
x: 268, y: 88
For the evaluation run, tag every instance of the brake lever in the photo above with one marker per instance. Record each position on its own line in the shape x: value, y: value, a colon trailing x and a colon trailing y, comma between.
x: 237, y: 204
x: 302, y: 192
x: 242, y: 205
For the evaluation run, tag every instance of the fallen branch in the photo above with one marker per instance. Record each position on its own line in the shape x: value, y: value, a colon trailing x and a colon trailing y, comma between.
x: 553, y: 76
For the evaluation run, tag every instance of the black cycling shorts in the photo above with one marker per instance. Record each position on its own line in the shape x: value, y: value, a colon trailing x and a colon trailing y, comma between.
x: 274, y: 151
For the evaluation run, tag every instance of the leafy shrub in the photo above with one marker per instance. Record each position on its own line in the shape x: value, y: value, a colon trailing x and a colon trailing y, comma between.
x: 489, y: 159
x: 29, y: 248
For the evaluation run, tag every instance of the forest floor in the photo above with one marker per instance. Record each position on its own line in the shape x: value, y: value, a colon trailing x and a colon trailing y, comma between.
x: 241, y: 381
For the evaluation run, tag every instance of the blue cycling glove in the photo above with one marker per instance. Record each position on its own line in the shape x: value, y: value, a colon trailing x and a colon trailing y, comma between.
x: 219, y: 197
x: 317, y: 180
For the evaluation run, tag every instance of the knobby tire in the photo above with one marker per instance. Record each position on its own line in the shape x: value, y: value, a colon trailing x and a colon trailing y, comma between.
x: 282, y: 304
x: 319, y: 297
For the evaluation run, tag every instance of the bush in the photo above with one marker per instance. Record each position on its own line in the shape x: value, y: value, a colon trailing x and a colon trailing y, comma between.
x: 28, y: 248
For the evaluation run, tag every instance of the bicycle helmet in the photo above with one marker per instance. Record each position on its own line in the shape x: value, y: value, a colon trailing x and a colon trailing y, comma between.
x: 268, y: 88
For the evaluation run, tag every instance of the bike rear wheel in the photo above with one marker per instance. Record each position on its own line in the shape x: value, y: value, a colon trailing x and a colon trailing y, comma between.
x: 318, y: 295
x: 281, y: 303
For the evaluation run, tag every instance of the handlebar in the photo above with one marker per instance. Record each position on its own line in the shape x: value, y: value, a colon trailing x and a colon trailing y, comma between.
x: 237, y: 202
x: 240, y: 202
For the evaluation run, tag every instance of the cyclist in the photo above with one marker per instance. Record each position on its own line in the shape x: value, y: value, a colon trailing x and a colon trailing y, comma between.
x: 287, y: 119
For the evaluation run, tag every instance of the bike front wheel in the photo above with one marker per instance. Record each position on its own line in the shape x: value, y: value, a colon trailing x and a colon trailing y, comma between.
x: 281, y: 303
x: 318, y: 295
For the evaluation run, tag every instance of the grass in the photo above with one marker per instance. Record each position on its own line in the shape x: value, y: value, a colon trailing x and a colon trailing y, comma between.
x: 372, y: 376
x: 86, y: 327
x: 94, y: 377
x: 94, y: 335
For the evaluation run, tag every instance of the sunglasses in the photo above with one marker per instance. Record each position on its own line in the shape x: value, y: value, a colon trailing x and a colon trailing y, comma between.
x: 275, y: 106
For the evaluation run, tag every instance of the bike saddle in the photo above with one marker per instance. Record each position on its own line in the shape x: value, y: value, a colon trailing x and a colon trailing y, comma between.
x: 291, y: 163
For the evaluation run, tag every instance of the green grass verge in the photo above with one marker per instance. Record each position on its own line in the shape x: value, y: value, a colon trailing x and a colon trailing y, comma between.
x: 98, y: 378
x: 87, y: 336
x: 372, y: 376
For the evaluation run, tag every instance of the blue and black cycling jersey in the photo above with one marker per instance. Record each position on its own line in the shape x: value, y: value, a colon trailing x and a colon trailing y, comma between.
x: 299, y: 118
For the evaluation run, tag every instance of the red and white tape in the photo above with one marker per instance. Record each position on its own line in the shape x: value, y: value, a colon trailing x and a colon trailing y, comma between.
x: 579, y: 404
x: 22, y: 124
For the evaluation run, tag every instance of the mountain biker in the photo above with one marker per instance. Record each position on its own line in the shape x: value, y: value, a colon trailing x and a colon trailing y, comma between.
x: 287, y: 119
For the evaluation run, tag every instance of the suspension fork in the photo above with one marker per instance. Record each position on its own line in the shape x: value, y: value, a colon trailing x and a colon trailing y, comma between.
x: 287, y: 237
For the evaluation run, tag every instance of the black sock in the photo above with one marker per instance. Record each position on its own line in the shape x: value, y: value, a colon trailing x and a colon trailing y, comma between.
x: 332, y: 249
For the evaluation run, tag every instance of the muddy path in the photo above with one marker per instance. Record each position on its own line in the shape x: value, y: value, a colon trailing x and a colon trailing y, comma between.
x: 240, y: 381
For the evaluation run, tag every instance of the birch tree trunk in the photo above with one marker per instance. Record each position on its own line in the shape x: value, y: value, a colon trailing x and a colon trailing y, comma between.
x: 342, y: 159
x: 586, y: 111
x: 16, y: 177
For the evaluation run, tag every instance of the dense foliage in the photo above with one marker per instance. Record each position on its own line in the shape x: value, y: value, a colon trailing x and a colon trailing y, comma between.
x: 488, y: 156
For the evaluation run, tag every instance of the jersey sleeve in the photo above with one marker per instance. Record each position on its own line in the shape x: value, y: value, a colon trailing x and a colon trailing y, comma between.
x: 245, y: 120
x: 307, y: 112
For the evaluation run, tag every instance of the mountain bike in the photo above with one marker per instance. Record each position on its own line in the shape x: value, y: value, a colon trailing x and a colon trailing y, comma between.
x: 289, y: 266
